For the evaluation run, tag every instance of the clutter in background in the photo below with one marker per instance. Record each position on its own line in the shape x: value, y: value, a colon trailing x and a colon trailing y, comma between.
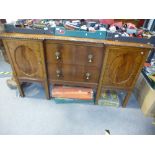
x: 130, y: 33
x: 31, y: 26
x: 81, y: 28
x: 45, y: 24
x: 149, y: 72
x: 85, y: 28
x: 2, y: 28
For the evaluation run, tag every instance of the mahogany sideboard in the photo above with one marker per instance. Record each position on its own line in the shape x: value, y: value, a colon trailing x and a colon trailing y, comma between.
x: 99, y: 64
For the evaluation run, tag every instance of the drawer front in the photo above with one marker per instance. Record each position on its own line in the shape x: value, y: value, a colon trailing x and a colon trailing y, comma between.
x: 58, y: 72
x: 73, y: 73
x: 69, y: 54
x: 87, y: 74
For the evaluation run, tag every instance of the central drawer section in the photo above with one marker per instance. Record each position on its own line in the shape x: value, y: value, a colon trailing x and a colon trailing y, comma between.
x: 74, y: 61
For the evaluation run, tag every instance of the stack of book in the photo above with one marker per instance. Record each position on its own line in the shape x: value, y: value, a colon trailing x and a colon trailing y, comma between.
x: 109, y: 98
x: 65, y: 94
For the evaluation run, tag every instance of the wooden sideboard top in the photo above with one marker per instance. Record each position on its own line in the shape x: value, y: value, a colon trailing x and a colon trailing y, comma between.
x: 88, y: 40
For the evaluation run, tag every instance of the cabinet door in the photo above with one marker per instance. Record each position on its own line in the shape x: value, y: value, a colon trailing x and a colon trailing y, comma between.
x: 123, y: 65
x: 27, y: 57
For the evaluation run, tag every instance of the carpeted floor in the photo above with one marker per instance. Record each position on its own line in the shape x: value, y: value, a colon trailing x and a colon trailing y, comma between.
x: 36, y: 115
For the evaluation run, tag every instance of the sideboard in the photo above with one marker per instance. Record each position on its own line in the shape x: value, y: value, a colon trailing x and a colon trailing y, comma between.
x: 98, y: 64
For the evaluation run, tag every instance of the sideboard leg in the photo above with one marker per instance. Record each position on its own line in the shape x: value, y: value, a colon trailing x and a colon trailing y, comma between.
x: 20, y: 89
x: 46, y: 87
x: 21, y: 92
x: 46, y: 84
x: 126, y: 98
x: 98, y: 93
x: 96, y: 101
x: 19, y: 86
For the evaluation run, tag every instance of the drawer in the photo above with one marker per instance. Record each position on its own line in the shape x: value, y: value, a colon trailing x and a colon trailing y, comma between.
x: 73, y: 73
x: 59, y: 72
x: 70, y: 54
x: 87, y: 74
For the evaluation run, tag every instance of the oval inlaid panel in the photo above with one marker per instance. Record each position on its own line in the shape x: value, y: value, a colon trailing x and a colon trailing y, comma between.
x: 26, y: 60
x: 121, y: 68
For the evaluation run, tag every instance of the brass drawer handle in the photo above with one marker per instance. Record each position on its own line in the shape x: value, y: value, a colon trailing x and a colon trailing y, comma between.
x: 57, y: 54
x: 88, y: 76
x: 58, y: 73
x: 90, y: 58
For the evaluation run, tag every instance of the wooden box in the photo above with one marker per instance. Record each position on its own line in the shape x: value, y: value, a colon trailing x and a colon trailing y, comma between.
x: 145, y: 96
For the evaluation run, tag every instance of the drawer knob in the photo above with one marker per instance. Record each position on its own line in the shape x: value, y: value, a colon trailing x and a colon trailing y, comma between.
x: 87, y: 76
x: 90, y: 58
x: 142, y: 53
x: 58, y: 73
x: 57, y: 54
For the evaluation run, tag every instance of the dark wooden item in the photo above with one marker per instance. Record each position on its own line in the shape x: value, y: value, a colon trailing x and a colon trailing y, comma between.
x: 99, y: 64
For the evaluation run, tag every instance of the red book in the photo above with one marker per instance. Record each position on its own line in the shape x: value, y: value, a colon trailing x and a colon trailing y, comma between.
x: 72, y: 92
